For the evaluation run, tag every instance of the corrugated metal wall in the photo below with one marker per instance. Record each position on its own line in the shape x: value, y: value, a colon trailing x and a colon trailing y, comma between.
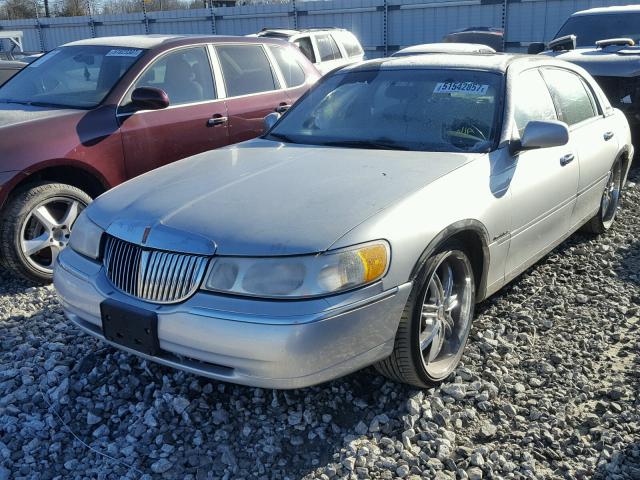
x: 382, y: 26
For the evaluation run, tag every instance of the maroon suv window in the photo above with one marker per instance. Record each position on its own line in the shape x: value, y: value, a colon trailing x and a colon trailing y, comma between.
x: 185, y: 75
x: 246, y: 69
x: 291, y: 70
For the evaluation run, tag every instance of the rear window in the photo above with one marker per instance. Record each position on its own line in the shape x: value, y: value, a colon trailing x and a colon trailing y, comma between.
x: 246, y: 69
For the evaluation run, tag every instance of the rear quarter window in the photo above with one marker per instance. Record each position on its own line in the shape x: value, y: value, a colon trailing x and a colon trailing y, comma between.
x: 350, y: 44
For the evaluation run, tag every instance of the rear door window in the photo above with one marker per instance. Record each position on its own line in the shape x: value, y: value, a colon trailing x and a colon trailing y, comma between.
x: 246, y: 69
x: 305, y: 46
x: 291, y: 70
x: 327, y: 48
x: 573, y: 101
x: 532, y: 100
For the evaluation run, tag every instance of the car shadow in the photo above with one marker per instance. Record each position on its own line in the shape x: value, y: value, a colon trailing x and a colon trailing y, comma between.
x: 10, y: 284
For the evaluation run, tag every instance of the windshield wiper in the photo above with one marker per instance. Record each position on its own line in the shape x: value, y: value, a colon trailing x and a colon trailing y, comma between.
x: 373, y: 144
x: 34, y: 104
x: 281, y: 136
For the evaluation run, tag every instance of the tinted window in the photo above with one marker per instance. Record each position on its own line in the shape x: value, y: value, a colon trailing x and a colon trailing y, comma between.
x: 350, y: 44
x: 327, y: 48
x: 532, y: 100
x: 570, y: 96
x: 76, y: 77
x: 304, y: 44
x: 185, y: 75
x: 429, y: 110
x: 246, y: 69
x: 590, y: 28
x: 291, y: 70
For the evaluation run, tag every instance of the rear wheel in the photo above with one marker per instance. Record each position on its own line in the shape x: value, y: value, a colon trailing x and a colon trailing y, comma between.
x: 36, y: 226
x: 609, y: 202
x: 436, y: 321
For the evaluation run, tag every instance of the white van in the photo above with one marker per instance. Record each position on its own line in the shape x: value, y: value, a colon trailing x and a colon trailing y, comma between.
x: 326, y: 48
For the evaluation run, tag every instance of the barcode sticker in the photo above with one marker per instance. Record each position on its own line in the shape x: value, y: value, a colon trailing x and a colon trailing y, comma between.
x: 469, y: 88
x: 122, y: 52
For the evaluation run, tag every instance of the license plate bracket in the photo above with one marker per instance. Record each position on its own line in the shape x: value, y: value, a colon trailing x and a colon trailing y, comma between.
x: 130, y: 326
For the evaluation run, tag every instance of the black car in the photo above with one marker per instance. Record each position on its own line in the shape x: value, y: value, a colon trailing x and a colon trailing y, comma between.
x: 603, y: 42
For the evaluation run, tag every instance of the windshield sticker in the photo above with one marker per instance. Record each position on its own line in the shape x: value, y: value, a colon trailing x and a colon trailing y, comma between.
x: 121, y: 52
x: 468, y: 88
x: 44, y: 58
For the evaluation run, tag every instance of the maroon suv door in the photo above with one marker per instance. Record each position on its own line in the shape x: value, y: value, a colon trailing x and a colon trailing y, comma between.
x: 252, y: 87
x: 194, y: 122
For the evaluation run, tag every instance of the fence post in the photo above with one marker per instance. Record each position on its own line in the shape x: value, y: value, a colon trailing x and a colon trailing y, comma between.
x: 213, y: 18
x: 39, y: 29
x: 505, y: 15
x: 146, y: 20
x: 295, y: 15
x: 91, y: 23
x: 385, y: 29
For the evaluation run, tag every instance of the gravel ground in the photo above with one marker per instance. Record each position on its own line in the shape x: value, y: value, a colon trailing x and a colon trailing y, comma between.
x: 548, y: 389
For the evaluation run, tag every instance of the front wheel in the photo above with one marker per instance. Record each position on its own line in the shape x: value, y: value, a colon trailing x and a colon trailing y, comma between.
x: 436, y: 321
x: 603, y: 220
x: 36, y: 226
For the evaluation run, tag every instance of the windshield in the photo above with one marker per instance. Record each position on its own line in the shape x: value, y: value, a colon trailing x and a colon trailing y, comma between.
x: 588, y: 29
x: 428, y: 110
x: 72, y: 77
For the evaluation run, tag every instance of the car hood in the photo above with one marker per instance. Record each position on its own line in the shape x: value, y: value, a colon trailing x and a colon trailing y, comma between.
x: 265, y: 198
x: 12, y: 114
x: 611, y: 61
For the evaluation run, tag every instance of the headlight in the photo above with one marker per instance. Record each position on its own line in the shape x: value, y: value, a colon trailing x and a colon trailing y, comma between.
x: 300, y: 276
x: 85, y: 237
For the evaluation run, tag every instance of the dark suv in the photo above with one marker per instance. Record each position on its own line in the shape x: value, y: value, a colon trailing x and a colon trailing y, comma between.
x: 603, y: 42
x: 92, y: 114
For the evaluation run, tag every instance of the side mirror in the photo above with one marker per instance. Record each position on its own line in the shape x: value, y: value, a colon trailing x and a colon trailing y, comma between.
x: 536, y: 48
x: 149, y: 98
x: 550, y: 133
x: 270, y: 120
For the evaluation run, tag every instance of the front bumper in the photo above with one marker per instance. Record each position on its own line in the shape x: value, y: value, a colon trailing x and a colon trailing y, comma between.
x: 270, y: 344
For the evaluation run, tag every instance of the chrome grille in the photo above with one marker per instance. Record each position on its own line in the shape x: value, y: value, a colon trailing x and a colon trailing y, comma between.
x: 153, y: 275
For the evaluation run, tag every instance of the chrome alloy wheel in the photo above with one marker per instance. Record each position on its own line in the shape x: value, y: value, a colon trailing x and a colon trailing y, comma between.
x: 447, y: 308
x: 611, y: 195
x: 46, y: 231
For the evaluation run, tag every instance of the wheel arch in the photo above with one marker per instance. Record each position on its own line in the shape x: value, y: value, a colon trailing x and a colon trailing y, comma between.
x: 474, y: 236
x: 626, y: 156
x: 81, y: 176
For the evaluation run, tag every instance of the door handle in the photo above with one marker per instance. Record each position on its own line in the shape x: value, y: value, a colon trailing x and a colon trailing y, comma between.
x: 608, y: 136
x: 217, y: 119
x: 283, y: 107
x: 568, y: 158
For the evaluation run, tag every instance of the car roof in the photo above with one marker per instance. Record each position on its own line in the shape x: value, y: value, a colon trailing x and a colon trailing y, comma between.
x: 497, y: 62
x: 152, y: 41
x: 287, y: 32
x: 446, y: 47
x: 605, y: 10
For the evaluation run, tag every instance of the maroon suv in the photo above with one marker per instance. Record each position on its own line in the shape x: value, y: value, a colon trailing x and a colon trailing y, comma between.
x: 92, y: 114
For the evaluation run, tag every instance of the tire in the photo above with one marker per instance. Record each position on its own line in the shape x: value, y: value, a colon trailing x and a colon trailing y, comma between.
x: 25, y: 227
x: 407, y: 363
x: 603, y: 220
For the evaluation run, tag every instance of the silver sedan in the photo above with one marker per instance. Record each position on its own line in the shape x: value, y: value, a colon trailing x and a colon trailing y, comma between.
x: 361, y: 229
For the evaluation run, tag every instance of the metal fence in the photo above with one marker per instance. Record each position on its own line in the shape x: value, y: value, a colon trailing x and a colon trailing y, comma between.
x: 382, y: 26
